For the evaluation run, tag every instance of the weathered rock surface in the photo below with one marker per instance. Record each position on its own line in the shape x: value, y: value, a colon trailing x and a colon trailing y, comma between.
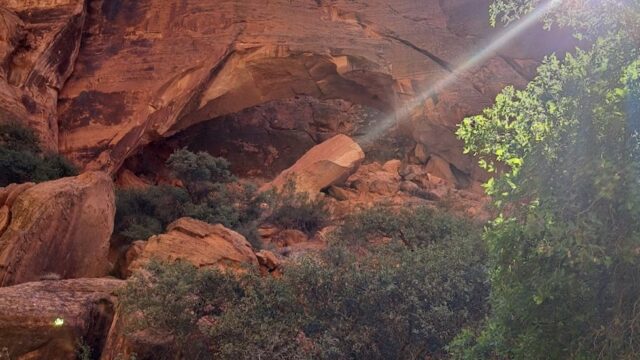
x: 39, y: 43
x: 194, y: 241
x: 83, y: 308
x: 144, y: 70
x: 269, y: 261
x: 289, y: 237
x: 61, y: 227
x: 326, y: 164
x: 128, y: 180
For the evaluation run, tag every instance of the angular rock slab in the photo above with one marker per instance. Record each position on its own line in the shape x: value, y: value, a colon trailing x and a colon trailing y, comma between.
x: 326, y: 164
x: 61, y: 227
x: 47, y: 319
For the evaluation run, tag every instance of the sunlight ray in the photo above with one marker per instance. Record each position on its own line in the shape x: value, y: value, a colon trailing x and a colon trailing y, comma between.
x: 471, y: 61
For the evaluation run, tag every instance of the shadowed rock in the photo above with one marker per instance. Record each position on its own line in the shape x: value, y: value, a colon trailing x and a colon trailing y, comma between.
x: 61, y: 227
x: 48, y: 319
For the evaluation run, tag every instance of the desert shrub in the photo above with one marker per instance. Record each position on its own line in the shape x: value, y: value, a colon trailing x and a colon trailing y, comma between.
x: 141, y: 213
x: 297, y: 210
x: 413, y: 227
x: 210, y: 194
x: 16, y: 137
x: 200, y: 172
x: 177, y: 300
x: 236, y: 206
x: 229, y: 204
x: 193, y: 167
x: 53, y: 166
x: 22, y: 160
x: 393, y: 303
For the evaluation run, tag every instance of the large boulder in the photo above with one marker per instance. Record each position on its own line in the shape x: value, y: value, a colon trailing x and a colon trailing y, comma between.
x: 59, y: 227
x: 48, y: 319
x: 194, y: 241
x: 326, y: 164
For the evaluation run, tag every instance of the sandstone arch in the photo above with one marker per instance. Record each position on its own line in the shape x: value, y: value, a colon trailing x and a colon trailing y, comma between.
x: 142, y: 71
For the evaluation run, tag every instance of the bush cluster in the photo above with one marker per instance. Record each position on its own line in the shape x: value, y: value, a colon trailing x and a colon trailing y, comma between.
x: 297, y: 210
x: 143, y: 213
x: 394, y: 302
x: 210, y: 194
x: 22, y: 159
x: 414, y: 227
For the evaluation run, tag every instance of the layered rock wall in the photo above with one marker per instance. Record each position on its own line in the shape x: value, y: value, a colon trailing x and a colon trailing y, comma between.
x: 39, y: 43
x: 148, y: 69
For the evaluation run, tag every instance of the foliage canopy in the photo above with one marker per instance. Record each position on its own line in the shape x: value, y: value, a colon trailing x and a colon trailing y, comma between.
x: 210, y: 194
x: 395, y: 302
x: 565, y: 152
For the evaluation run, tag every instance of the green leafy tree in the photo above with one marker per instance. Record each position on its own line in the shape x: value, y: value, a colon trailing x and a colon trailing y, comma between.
x: 565, y: 151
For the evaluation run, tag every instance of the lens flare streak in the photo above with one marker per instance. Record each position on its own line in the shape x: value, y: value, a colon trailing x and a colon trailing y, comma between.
x: 471, y: 61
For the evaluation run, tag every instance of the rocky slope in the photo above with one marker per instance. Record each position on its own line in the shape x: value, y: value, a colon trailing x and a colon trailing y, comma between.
x: 142, y: 71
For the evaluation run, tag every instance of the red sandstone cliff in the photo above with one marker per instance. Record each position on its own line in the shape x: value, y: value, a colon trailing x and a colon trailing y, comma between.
x: 99, y: 79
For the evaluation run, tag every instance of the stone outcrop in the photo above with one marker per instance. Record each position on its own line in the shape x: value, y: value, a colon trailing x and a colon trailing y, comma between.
x: 326, y: 164
x: 194, y: 241
x: 128, y: 180
x: 47, y: 319
x: 57, y: 227
x: 110, y: 76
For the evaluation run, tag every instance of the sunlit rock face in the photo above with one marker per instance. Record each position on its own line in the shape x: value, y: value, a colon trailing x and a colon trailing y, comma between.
x: 326, y: 164
x: 150, y: 69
